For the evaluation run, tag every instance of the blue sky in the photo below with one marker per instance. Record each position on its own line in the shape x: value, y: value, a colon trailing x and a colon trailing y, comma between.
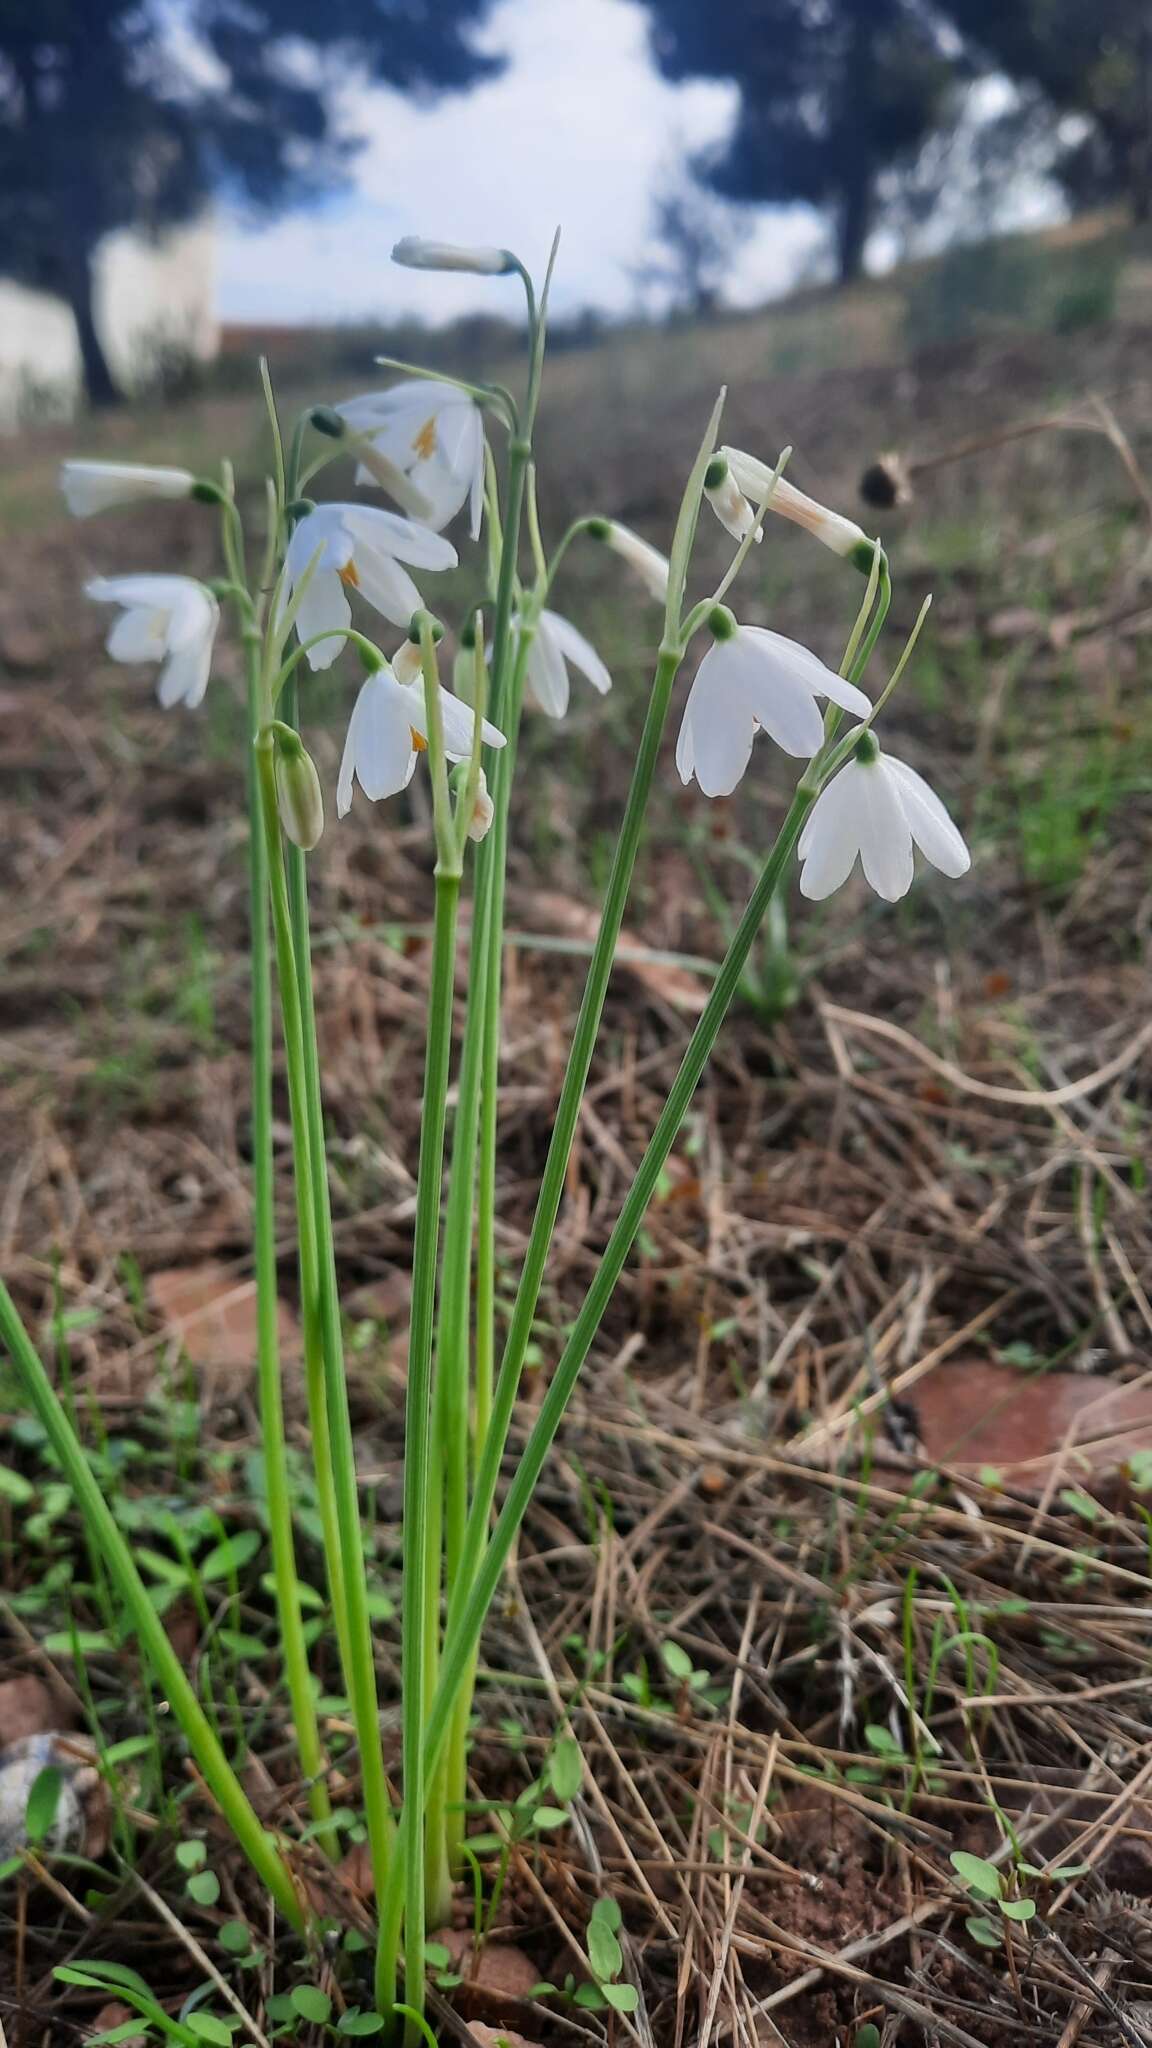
x: 579, y: 132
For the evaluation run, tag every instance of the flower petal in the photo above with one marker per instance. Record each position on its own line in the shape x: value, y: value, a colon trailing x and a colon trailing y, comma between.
x: 830, y: 840
x: 716, y: 733
x: 386, y: 586
x: 378, y: 749
x: 808, y: 668
x: 885, y: 836
x: 389, y: 534
x: 325, y: 609
x: 459, y: 721
x: 547, y: 675
x: 931, y: 827
x: 184, y: 676
x: 576, y: 649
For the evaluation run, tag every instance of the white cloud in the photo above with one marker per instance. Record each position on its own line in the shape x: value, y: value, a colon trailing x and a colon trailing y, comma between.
x: 578, y: 131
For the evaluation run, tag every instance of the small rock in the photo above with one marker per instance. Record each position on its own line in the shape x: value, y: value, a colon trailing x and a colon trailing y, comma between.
x: 20, y: 1766
x: 26, y: 1708
x: 117, y: 2014
x: 502, y: 1971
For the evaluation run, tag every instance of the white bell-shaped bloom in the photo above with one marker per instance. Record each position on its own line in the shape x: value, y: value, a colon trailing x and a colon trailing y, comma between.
x: 557, y: 643
x: 90, y: 487
x: 355, y: 547
x: 389, y: 728
x: 416, y: 253
x: 878, y: 808
x: 434, y: 434
x: 642, y: 558
x: 751, y: 679
x: 169, y: 619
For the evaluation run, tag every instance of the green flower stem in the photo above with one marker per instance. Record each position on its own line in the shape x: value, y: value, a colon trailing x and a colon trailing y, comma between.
x: 464, y: 1630
x: 279, y: 1492
x: 218, y: 1774
x: 418, y: 1439
x: 303, y: 1089
x: 568, y: 1108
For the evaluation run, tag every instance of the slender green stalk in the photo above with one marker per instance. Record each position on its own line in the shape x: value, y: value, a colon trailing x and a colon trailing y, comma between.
x: 464, y: 1629
x: 300, y: 1053
x: 277, y: 1486
x: 416, y: 1619
x: 218, y: 1774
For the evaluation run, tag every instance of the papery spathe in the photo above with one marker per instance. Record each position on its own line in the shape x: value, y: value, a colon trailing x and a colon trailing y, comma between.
x: 169, y: 619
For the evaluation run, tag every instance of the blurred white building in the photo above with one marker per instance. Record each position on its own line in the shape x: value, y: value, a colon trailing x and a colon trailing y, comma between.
x: 155, y: 307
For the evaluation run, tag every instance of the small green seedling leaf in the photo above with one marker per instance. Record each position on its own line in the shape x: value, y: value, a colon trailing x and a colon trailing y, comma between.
x: 208, y: 2028
x: 979, y: 1876
x: 676, y: 1661
x: 590, y: 1997
x: 235, y: 1937
x: 621, y: 1997
x: 565, y: 1771
x: 984, y: 1931
x: 14, y: 1487
x: 224, y: 1559
x: 1018, y: 1909
x: 867, y: 2036
x: 358, y: 2024
x: 311, y: 2003
x: 550, y: 1816
x: 43, y: 1804
x: 191, y: 1855
x: 204, y: 1887
x: 436, y: 1955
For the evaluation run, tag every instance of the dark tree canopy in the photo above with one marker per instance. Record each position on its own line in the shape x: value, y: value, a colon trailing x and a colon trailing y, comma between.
x: 1088, y: 57
x: 831, y: 93
x: 109, y: 119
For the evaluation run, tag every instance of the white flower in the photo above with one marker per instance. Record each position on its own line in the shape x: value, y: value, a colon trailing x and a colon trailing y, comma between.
x: 170, y: 619
x: 876, y: 807
x: 647, y: 562
x: 433, y: 433
x: 748, y: 478
x: 90, y: 487
x: 389, y: 727
x: 417, y: 254
x: 555, y: 645
x: 731, y: 506
x: 358, y: 548
x: 750, y: 679
x: 483, y: 811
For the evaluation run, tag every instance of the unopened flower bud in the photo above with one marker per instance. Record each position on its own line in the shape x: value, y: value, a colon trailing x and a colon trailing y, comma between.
x: 644, y: 560
x: 727, y: 500
x: 417, y: 254
x: 299, y: 508
x: 842, y: 535
x: 327, y: 420
x: 299, y: 797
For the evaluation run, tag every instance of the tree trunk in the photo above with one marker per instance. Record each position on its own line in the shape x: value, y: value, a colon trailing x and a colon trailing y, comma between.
x: 852, y: 228
x: 854, y: 213
x: 100, y: 386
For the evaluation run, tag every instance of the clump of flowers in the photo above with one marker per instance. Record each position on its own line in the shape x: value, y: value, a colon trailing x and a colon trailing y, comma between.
x: 307, y: 588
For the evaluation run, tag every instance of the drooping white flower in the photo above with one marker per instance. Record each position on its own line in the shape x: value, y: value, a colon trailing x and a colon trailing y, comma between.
x: 750, y: 479
x: 389, y: 728
x: 415, y: 253
x: 483, y: 811
x: 355, y: 547
x: 646, y: 561
x: 90, y: 487
x: 878, y: 808
x: 729, y: 504
x: 557, y: 643
x: 751, y: 678
x: 170, y: 619
x: 433, y: 433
